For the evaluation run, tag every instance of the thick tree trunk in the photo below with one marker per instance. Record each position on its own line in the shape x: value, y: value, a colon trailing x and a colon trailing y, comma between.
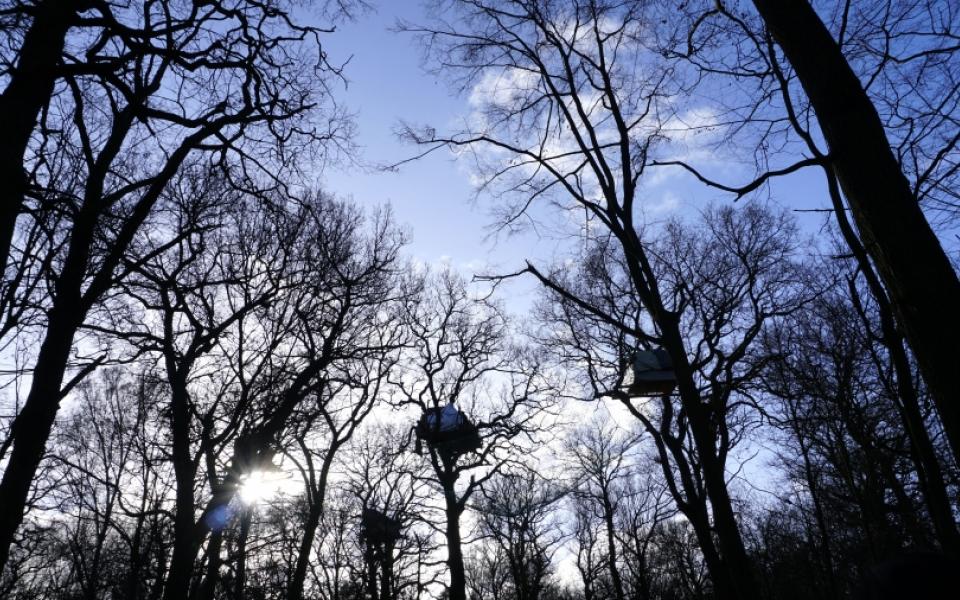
x: 370, y: 560
x: 185, y: 471
x: 734, y: 554
x: 32, y: 426
x: 295, y: 587
x: 615, y: 577
x: 723, y: 587
x: 700, y: 418
x: 28, y: 91
x: 919, y: 278
x: 930, y: 475
x: 643, y: 579
x: 923, y: 453
x: 184, y: 549
x: 458, y: 579
x: 386, y: 572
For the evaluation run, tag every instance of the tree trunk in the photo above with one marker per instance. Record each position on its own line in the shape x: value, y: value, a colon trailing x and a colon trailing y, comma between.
x: 32, y: 426
x: 185, y: 471
x: 615, y: 577
x: 370, y: 560
x: 923, y: 287
x: 241, y: 582
x: 693, y: 504
x: 723, y: 587
x: 825, y: 547
x: 295, y: 587
x: 103, y: 528
x: 700, y: 417
x: 386, y: 572
x: 28, y: 91
x: 930, y: 475
x: 68, y: 312
x: 132, y: 583
x: 923, y: 453
x: 732, y: 551
x: 207, y: 589
x: 458, y: 579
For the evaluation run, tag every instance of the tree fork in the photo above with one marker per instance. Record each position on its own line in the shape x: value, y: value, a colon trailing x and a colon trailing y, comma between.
x: 733, y: 553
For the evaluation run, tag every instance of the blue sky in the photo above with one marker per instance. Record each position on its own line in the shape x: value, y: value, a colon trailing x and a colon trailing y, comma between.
x: 433, y: 197
x: 387, y: 84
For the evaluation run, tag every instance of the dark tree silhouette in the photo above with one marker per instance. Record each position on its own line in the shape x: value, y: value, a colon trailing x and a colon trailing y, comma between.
x: 923, y: 286
x: 726, y: 280
x: 458, y: 349
x: 518, y: 513
x: 179, y: 81
x: 880, y: 92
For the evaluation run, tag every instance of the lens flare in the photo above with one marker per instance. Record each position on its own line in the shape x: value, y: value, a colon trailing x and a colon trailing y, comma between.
x: 259, y: 486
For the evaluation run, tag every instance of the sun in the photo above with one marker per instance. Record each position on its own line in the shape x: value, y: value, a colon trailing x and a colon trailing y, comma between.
x: 258, y: 486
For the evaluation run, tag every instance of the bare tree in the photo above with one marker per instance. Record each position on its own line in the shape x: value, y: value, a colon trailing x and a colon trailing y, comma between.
x: 352, y: 391
x: 518, y: 513
x: 923, y: 286
x: 726, y: 280
x: 178, y: 81
x: 644, y: 508
x: 601, y: 462
x: 97, y: 449
x: 390, y: 486
x: 460, y: 360
x: 846, y: 449
x: 487, y: 573
x: 880, y: 91
x: 576, y: 126
x: 100, y: 499
x: 264, y: 322
x: 330, y: 342
x: 589, y: 555
x: 894, y: 28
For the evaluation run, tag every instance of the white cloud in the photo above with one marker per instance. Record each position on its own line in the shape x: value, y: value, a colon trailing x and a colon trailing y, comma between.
x: 666, y: 203
x: 502, y: 87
